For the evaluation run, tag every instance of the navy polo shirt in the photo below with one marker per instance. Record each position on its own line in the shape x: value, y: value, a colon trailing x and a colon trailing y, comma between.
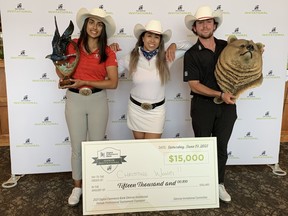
x: 199, y: 64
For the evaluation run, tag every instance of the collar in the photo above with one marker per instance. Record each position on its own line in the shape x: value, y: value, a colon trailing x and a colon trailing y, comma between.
x: 201, y: 47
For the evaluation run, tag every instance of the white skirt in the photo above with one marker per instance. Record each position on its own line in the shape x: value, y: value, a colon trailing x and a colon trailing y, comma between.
x: 148, y: 121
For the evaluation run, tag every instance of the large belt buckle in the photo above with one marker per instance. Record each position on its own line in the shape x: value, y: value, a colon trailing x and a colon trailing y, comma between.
x: 146, y: 106
x: 85, y: 91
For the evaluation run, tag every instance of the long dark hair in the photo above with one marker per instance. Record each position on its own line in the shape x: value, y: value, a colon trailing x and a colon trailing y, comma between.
x: 102, y: 42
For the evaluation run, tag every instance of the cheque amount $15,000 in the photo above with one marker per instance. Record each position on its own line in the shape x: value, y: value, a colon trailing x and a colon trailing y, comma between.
x: 186, y: 157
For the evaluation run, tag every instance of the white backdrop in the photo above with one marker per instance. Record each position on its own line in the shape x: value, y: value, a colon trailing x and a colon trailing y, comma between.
x: 39, y: 139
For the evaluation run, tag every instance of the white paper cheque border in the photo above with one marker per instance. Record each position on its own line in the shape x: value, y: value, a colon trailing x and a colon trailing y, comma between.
x: 149, y: 175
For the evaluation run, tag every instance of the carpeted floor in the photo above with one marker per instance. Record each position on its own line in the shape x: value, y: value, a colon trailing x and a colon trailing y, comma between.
x: 255, y: 191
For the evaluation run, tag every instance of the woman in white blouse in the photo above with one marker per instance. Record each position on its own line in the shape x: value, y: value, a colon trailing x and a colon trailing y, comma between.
x: 149, y: 71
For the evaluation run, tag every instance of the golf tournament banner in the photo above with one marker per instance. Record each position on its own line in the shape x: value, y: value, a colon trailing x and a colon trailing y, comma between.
x: 149, y: 175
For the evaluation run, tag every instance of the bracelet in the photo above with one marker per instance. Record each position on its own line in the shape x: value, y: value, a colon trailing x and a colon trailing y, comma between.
x: 221, y: 95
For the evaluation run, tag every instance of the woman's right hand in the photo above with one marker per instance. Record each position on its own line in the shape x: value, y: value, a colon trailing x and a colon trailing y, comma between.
x: 170, y: 52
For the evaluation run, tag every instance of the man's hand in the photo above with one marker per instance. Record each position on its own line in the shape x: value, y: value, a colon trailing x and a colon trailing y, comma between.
x: 228, y: 98
x: 115, y: 47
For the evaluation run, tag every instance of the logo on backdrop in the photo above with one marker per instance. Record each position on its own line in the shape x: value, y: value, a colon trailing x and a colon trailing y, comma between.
x: 106, y: 137
x: 266, y: 116
x: 62, y: 100
x: 123, y: 77
x: 248, y: 136
x: 231, y: 156
x: 19, y: 8
x: 219, y: 8
x: 60, y: 10
x: 256, y: 10
x: 48, y: 163
x: 103, y: 8
x: 271, y: 75
x: 122, y: 34
x: 109, y: 159
x: 263, y: 155
x: 23, y: 55
x: 27, y: 144
x: 46, y: 122
x: 41, y: 33
x: 179, y: 10
x: 249, y: 96
x: 122, y: 119
x: 140, y: 10
x: 237, y: 33
x: 25, y: 100
x: 178, y: 97
x: 273, y: 33
x: 110, y: 100
x: 44, y: 78
x: 177, y: 135
x: 64, y: 142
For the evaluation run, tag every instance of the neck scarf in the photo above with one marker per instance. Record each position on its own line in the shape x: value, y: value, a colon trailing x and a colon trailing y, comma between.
x: 149, y: 55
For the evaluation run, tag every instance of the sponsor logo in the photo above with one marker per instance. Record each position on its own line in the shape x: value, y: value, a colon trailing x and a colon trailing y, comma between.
x: 177, y: 135
x: 262, y: 155
x: 48, y: 163
x: 108, y: 159
x: 64, y: 142
x: 122, y: 119
x: 61, y: 101
x: 266, y: 116
x: 270, y: 75
x: 122, y: 34
x: 248, y: 136
x: 41, y: 33
x: 237, y: 33
x: 273, y: 33
x: 249, y: 96
x: 27, y: 144
x: 23, y: 56
x: 219, y: 8
x: 46, y: 122
x: 44, y: 78
x: 25, y: 100
x: 256, y: 10
x: 179, y: 10
x: 123, y: 77
x: 231, y: 156
x: 103, y: 8
x: 140, y: 10
x: 178, y: 97
x: 19, y: 9
x: 60, y: 10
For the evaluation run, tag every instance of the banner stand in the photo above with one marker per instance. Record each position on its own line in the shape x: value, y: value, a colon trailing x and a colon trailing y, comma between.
x: 277, y: 170
x: 39, y: 138
x: 12, y: 182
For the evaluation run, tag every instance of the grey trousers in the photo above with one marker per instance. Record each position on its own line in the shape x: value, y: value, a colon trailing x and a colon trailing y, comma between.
x: 86, y: 118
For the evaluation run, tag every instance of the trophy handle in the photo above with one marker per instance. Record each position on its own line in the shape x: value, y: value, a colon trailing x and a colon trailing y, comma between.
x: 67, y: 68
